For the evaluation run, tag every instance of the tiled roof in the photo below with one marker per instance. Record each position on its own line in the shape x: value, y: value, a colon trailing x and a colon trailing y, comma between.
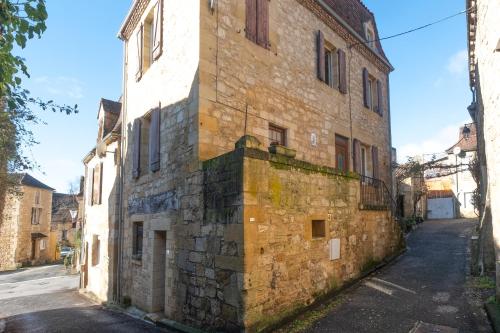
x: 111, y: 106
x: 356, y: 14
x: 28, y: 180
x: 467, y: 139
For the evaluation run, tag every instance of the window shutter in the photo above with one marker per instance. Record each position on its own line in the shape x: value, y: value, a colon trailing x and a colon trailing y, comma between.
x: 96, y: 184
x: 140, y: 52
x: 91, y: 191
x: 366, y: 88
x: 251, y: 20
x: 158, y: 30
x: 320, y: 50
x: 99, y: 194
x: 154, y: 141
x: 380, y: 109
x: 136, y: 155
x: 342, y: 72
x: 263, y: 23
x: 357, y: 156
x: 376, y: 174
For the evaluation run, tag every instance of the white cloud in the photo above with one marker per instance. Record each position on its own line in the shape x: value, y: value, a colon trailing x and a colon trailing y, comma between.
x: 434, y: 144
x: 457, y: 64
x: 62, y: 86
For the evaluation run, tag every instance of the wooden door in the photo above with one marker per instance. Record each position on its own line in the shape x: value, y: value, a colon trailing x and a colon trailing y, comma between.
x: 341, y: 153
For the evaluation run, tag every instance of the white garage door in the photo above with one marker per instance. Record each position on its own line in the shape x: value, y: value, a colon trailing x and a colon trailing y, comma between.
x: 440, y: 208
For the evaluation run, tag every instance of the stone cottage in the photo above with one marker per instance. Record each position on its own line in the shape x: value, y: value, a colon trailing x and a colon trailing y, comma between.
x: 99, y: 234
x: 63, y: 228
x: 256, y: 160
x: 483, y: 35
x: 25, y: 225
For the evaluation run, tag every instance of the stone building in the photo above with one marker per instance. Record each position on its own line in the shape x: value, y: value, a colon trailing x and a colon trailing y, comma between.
x: 63, y: 228
x: 99, y: 236
x: 458, y: 178
x: 484, y: 65
x: 256, y: 160
x: 25, y: 225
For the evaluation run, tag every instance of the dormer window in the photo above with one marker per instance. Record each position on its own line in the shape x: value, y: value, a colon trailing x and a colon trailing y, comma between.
x: 370, y: 35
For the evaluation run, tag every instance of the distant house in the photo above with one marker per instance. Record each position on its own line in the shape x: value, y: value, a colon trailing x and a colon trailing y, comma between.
x: 457, y: 179
x: 63, y: 227
x: 25, y: 225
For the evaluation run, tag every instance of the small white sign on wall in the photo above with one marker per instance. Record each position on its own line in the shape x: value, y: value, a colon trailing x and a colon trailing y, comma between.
x: 314, y: 139
x: 334, y: 249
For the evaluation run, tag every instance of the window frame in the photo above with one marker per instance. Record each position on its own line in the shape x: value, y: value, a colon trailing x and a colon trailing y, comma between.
x: 318, y: 229
x: 280, y: 130
x: 137, y: 240
x: 343, y: 143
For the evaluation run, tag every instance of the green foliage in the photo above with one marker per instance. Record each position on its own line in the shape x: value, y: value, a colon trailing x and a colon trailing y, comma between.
x: 483, y: 282
x: 20, y: 22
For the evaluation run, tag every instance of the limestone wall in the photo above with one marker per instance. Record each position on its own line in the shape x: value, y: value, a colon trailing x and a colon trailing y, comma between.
x: 100, y: 225
x: 488, y: 65
x: 24, y: 244
x: 8, y: 233
x: 167, y: 202
x: 286, y: 268
x: 280, y: 86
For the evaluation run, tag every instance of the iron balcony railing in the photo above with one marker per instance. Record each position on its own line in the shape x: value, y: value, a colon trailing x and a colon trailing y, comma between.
x: 375, y: 195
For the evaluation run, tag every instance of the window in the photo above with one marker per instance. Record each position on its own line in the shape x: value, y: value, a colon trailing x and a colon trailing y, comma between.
x: 136, y: 145
x: 97, y: 184
x: 149, y: 39
x: 318, y: 229
x: 372, y: 92
x: 64, y: 235
x: 37, y: 197
x: 257, y: 22
x: 35, y: 215
x: 137, y: 237
x: 154, y: 141
x: 96, y: 250
x: 331, y: 64
x: 43, y: 244
x: 375, y: 164
x: 370, y: 37
x: 277, y: 135
x: 341, y: 153
x: 363, y: 162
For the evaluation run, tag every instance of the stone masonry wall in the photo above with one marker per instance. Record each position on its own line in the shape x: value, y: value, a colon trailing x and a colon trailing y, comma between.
x: 8, y: 233
x: 279, y: 85
x: 488, y: 67
x: 285, y: 267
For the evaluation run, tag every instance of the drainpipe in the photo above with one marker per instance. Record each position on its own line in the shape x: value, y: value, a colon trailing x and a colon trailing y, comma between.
x: 118, y: 295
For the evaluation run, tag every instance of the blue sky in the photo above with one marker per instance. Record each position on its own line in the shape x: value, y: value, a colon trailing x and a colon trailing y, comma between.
x: 79, y: 60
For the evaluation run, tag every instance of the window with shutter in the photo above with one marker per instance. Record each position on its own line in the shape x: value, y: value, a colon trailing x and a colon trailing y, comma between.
x: 99, y: 193
x: 380, y: 109
x: 366, y: 89
x: 154, y: 141
x: 341, y: 153
x: 139, y: 40
x: 91, y: 187
x: 136, y: 152
x: 342, y: 72
x: 320, y: 50
x: 357, y: 156
x: 96, y: 185
x: 257, y: 22
x: 375, y: 163
x: 157, y: 30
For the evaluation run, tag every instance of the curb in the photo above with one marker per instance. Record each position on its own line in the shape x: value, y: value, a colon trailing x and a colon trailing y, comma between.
x: 493, y: 312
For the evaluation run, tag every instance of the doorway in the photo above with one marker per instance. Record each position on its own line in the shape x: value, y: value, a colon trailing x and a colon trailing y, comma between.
x: 159, y: 267
x: 33, y: 249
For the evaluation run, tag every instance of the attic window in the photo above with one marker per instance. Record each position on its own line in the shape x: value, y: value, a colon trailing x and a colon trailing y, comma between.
x: 370, y: 35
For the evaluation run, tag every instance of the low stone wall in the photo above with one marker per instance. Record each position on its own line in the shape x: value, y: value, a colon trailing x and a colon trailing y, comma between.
x: 287, y: 267
x: 262, y: 260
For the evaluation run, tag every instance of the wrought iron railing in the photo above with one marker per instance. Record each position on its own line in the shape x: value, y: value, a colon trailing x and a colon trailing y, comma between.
x: 375, y: 195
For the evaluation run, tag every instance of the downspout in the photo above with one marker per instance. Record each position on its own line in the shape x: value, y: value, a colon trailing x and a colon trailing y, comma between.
x: 118, y: 295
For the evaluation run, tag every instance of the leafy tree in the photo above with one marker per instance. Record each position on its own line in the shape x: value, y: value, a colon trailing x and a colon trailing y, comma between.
x: 20, y: 22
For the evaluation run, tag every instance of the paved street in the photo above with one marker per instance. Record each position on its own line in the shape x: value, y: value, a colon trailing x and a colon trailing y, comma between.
x: 44, y: 299
x: 425, y: 285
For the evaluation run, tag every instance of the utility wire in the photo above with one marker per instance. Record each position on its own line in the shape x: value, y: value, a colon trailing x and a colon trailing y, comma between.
x: 416, y: 29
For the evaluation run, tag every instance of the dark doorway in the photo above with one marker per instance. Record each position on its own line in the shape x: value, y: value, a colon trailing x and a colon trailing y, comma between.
x: 159, y: 267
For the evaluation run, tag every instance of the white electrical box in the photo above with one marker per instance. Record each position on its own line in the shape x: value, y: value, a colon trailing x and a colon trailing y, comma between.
x: 334, y: 249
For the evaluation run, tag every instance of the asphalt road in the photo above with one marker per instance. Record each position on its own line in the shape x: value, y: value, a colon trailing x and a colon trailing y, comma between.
x: 425, y: 287
x: 44, y: 299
